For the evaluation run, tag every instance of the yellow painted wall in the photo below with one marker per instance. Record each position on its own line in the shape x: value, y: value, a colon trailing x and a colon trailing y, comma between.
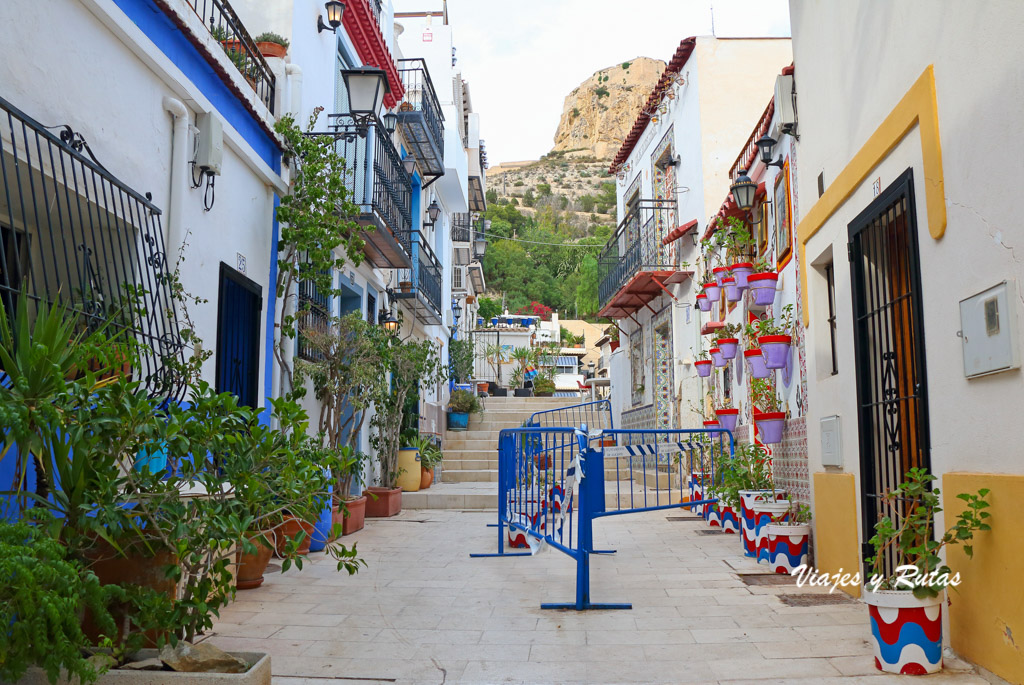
x: 986, y: 612
x: 836, y: 528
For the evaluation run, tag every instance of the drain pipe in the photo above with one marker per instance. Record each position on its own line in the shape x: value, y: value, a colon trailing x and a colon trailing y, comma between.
x: 175, y: 235
x: 294, y: 74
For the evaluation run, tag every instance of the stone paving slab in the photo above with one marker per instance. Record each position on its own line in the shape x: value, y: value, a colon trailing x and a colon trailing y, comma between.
x: 424, y: 612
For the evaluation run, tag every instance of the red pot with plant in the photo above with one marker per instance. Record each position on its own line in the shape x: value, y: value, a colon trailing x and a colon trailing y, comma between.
x: 728, y: 346
x: 614, y: 345
x: 775, y: 349
x: 290, y: 530
x: 355, y: 515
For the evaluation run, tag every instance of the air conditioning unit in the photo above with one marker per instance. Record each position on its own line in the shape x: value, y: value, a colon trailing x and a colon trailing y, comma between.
x: 785, y: 109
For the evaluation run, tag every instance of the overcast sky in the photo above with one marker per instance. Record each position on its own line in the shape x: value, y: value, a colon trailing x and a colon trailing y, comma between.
x: 522, y: 57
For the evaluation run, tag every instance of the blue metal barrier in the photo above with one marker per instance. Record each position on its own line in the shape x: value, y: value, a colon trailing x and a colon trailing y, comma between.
x: 552, y: 484
x: 597, y: 415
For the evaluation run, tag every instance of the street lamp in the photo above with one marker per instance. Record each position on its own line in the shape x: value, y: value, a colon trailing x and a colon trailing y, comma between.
x: 390, y: 122
x: 457, y: 311
x: 433, y: 211
x: 410, y: 164
x: 365, y: 92
x: 743, y: 191
x: 334, y: 11
x: 388, y: 321
x: 766, y: 144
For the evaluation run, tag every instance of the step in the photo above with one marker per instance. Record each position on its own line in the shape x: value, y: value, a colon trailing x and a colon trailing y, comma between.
x: 656, y: 479
x: 469, y: 464
x: 470, y: 476
x: 451, y: 443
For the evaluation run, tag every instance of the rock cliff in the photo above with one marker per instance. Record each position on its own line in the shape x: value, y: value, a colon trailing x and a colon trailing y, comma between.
x: 598, y: 114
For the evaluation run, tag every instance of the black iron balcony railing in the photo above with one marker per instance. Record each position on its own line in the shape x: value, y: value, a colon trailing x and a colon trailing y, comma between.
x: 462, y: 228
x: 71, y: 232
x: 425, y: 275
x: 226, y: 27
x: 314, y: 308
x: 380, y: 187
x: 421, y: 116
x: 636, y: 246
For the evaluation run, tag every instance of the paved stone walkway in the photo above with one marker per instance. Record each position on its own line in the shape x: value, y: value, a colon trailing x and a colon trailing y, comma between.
x: 424, y: 612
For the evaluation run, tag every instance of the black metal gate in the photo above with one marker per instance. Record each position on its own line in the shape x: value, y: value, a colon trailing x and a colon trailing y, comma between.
x: 889, y: 347
x: 238, y: 336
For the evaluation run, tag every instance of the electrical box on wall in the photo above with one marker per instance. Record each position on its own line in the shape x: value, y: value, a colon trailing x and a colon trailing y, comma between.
x: 209, y: 143
x: 988, y: 331
x: 831, y: 454
x: 784, y: 110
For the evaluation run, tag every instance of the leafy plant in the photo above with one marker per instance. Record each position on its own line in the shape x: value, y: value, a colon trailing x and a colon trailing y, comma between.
x: 271, y: 37
x: 799, y: 513
x: 729, y: 330
x: 781, y: 326
x: 907, y: 531
x: 763, y: 266
x: 42, y: 600
x: 430, y: 451
x: 750, y: 469
x: 543, y: 385
x: 763, y: 395
x: 463, y: 358
x: 464, y: 402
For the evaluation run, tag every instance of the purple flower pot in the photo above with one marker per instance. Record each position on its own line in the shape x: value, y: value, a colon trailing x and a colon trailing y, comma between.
x: 732, y: 291
x: 740, y: 273
x: 713, y: 291
x: 720, y: 273
x: 728, y: 347
x: 704, y: 303
x: 775, y: 349
x: 763, y: 295
x: 770, y: 426
x: 727, y: 418
x: 717, y: 358
x: 703, y: 367
x: 755, y: 363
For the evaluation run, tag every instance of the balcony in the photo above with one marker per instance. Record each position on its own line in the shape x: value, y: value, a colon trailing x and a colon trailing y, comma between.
x: 224, y: 25
x: 421, y: 118
x: 462, y: 237
x: 424, y: 296
x: 478, y: 179
x: 71, y: 232
x: 636, y: 265
x: 381, y: 189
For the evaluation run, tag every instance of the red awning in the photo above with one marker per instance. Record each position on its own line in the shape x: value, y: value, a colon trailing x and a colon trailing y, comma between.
x: 679, y: 232
x: 640, y: 290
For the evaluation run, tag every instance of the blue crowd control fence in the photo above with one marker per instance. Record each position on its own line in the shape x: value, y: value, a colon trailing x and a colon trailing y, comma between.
x: 553, y: 482
x: 595, y: 415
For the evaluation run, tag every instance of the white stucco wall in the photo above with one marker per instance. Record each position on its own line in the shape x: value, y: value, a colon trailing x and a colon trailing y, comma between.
x: 979, y: 101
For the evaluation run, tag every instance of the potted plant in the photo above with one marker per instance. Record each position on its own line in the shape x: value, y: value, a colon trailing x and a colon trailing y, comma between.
x: 412, y: 364
x: 271, y: 44
x: 460, y: 405
x: 775, y: 340
x: 789, y: 539
x: 720, y: 273
x: 726, y: 341
x: 762, y: 283
x: 769, y: 418
x: 753, y: 355
x: 906, y: 591
x: 733, y: 293
x: 523, y: 357
x: 430, y: 457
x: 544, y: 386
x: 703, y: 302
x: 712, y: 291
x: 717, y: 358
x: 613, y: 334
x: 727, y: 416
x: 349, y: 511
x: 748, y: 476
x: 768, y: 508
x: 703, y: 364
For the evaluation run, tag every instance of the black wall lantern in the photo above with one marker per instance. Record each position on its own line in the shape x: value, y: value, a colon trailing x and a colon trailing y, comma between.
x: 766, y: 144
x: 433, y: 211
x: 743, y: 191
x: 457, y: 311
x: 334, y: 11
x: 410, y: 164
x: 366, y: 88
x: 390, y: 122
x: 388, y: 321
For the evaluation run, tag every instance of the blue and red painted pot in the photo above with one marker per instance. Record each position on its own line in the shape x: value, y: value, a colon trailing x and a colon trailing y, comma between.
x: 728, y: 346
x: 906, y: 631
x: 711, y: 514
x: 767, y: 512
x: 748, y: 520
x: 755, y: 364
x: 703, y: 367
x: 788, y: 545
x: 762, y: 288
x: 727, y: 518
x: 696, y: 486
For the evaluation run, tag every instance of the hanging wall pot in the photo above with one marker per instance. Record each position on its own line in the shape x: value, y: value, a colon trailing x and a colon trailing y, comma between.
x: 728, y: 346
x: 775, y: 349
x: 762, y: 287
x: 755, y: 363
x: 732, y: 291
x: 703, y: 367
x: 740, y: 271
x: 717, y: 358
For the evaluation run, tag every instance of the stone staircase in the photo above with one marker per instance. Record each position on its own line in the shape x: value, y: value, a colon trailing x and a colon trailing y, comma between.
x: 469, y: 478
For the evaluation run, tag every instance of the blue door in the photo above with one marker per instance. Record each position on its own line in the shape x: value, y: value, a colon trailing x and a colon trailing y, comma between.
x: 238, y: 336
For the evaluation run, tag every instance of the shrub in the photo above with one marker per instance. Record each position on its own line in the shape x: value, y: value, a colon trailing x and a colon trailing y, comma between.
x: 464, y: 402
x: 601, y: 92
x: 271, y: 37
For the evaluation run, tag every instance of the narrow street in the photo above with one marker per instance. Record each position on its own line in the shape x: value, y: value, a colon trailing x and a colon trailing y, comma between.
x: 424, y: 612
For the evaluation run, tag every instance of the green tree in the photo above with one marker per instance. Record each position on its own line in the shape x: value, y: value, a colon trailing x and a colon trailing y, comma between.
x: 489, y: 308
x: 528, y: 199
x: 544, y: 189
x: 586, y: 291
x: 492, y: 195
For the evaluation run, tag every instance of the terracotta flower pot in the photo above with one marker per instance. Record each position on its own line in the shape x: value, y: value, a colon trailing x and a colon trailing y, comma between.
x: 383, y: 502
x: 906, y: 632
x: 268, y: 49
x: 482, y: 387
x: 251, y: 566
x: 405, y: 286
x: 426, y: 477
x: 290, y: 529
x: 614, y: 345
x: 355, y: 516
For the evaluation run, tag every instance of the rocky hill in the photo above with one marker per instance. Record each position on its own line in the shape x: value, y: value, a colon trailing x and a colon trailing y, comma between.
x: 598, y: 114
x: 596, y: 117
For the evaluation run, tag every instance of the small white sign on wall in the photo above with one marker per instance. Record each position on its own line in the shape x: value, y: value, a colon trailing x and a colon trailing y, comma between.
x: 240, y: 262
x: 876, y: 187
